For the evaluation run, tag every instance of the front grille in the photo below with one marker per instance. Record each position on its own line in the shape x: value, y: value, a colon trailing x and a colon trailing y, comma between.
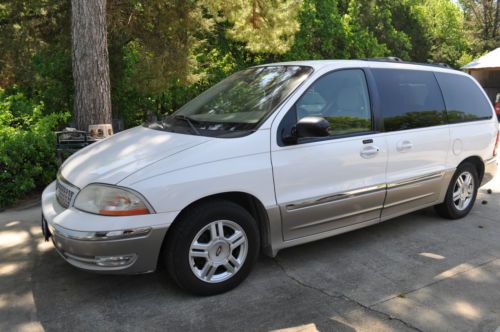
x: 64, y: 194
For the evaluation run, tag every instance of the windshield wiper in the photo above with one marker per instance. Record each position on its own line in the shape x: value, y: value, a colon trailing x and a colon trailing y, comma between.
x: 236, y: 133
x: 189, y: 121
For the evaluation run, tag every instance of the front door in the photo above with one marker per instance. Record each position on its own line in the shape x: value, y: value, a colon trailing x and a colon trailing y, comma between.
x: 331, y: 182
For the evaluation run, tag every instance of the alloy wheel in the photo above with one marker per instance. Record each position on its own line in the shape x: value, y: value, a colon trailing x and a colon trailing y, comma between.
x: 463, y: 191
x: 218, y: 251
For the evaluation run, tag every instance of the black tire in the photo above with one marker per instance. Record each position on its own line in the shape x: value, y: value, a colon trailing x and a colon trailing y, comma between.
x: 448, y: 209
x: 176, y: 252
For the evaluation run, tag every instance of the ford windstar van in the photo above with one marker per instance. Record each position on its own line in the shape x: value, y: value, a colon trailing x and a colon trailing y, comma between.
x: 271, y: 157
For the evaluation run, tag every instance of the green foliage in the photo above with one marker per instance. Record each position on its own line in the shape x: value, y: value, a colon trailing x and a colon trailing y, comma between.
x: 163, y: 53
x: 322, y: 34
x: 52, y: 80
x: 444, y: 22
x: 334, y: 29
x: 265, y: 26
x: 482, y: 24
x: 160, y: 36
x: 409, y: 31
x: 360, y: 40
x: 27, y: 146
x: 26, y: 28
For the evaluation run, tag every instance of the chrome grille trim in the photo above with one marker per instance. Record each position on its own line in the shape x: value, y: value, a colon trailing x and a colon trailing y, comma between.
x: 65, y: 191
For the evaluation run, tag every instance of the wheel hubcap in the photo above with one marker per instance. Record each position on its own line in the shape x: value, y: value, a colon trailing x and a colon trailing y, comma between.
x: 463, y: 191
x: 218, y: 251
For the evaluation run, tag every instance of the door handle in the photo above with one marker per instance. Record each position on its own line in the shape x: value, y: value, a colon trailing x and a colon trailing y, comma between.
x: 404, y: 146
x: 369, y: 151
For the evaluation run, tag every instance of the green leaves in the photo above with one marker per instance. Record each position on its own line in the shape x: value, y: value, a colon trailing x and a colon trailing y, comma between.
x: 27, y: 146
x: 444, y: 22
x: 164, y: 52
x: 225, y: 36
x: 264, y: 26
x: 482, y: 24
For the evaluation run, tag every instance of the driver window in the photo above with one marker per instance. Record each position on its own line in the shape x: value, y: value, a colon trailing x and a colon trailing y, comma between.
x: 340, y: 97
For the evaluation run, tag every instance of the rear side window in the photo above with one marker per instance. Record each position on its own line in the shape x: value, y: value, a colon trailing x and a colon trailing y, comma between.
x: 464, y: 99
x: 409, y: 99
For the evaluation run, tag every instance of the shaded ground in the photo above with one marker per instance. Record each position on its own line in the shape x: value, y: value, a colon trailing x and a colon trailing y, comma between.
x: 417, y: 272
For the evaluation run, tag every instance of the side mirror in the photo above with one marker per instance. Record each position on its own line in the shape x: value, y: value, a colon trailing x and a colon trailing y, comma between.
x: 310, y: 126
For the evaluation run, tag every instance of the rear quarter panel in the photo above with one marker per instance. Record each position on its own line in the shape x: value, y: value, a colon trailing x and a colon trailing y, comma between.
x: 475, y: 138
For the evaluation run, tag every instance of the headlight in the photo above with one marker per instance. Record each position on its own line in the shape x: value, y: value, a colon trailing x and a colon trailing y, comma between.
x: 111, y: 201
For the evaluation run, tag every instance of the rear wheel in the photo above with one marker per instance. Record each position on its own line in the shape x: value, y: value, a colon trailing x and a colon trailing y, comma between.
x: 212, y: 248
x: 461, y: 193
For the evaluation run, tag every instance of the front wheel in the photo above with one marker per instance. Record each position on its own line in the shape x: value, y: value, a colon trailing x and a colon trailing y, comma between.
x: 461, y: 193
x: 212, y: 248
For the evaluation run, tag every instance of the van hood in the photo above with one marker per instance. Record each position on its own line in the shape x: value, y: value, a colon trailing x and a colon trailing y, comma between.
x: 113, y: 159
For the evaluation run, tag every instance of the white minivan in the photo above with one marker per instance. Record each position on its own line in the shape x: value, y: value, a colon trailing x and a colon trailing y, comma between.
x: 271, y: 157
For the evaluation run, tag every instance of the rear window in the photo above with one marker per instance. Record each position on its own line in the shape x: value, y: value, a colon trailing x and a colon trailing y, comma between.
x: 464, y: 99
x: 410, y: 99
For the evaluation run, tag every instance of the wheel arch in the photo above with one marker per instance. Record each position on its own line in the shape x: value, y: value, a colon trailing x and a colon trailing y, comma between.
x: 478, y: 163
x: 247, y: 201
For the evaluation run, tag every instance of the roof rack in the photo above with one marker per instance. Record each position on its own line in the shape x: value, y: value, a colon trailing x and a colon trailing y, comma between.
x: 384, y: 59
x: 396, y: 59
x: 440, y: 64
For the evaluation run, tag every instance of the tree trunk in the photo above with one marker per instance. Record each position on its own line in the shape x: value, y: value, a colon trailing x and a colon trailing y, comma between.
x: 90, y: 63
x: 495, y: 21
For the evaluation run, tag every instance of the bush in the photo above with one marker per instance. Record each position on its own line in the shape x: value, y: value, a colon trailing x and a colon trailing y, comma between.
x: 27, y: 146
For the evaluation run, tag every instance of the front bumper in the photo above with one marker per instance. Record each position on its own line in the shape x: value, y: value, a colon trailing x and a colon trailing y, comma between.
x: 97, y: 243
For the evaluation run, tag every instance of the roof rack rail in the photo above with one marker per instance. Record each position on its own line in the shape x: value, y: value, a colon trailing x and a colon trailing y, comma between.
x: 387, y: 58
x: 396, y: 59
x: 440, y: 64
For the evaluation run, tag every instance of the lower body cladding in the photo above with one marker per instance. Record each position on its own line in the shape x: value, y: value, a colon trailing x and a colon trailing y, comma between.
x: 341, y: 211
x: 321, y: 217
x: 292, y: 224
x: 136, y: 252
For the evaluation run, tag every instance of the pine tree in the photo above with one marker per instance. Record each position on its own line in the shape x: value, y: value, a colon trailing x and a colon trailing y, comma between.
x: 265, y: 26
x: 90, y: 63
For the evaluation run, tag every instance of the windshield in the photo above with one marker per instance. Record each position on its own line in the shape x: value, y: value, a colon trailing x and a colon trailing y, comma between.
x: 238, y: 103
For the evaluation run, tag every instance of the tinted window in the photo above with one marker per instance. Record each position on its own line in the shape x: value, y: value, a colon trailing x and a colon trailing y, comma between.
x: 464, y: 99
x: 409, y: 99
x: 340, y: 97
